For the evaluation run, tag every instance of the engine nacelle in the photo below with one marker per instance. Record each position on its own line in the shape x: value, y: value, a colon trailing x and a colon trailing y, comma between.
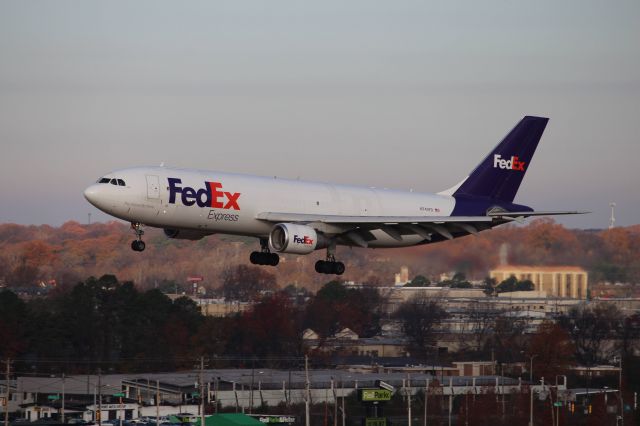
x: 185, y: 234
x: 296, y: 239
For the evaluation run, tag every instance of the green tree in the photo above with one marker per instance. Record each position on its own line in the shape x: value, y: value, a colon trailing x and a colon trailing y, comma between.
x: 335, y: 307
x: 419, y: 281
x: 13, y: 312
x: 332, y: 291
x: 512, y: 284
x: 459, y: 280
x: 489, y: 286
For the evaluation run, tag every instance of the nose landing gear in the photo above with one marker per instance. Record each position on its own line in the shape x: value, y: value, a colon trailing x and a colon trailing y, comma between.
x: 137, y: 244
x: 264, y: 256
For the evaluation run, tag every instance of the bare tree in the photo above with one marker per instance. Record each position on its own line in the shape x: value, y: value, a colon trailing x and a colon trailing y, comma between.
x: 508, y: 339
x: 420, y: 317
x: 593, y: 331
x: 477, y: 325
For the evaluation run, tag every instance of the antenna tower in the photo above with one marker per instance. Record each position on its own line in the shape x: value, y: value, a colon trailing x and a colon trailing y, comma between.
x: 612, y: 220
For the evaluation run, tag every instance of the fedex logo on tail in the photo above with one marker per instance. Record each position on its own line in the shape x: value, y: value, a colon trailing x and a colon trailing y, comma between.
x: 211, y: 195
x: 512, y: 164
x: 302, y: 240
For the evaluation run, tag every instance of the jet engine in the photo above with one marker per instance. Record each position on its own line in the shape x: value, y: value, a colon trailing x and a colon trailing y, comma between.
x: 296, y: 239
x: 185, y: 234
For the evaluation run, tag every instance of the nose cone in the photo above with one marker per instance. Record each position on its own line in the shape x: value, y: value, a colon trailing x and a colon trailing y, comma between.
x: 94, y: 195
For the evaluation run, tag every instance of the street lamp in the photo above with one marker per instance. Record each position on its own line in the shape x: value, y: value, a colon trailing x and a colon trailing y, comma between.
x: 530, y: 365
x: 531, y: 400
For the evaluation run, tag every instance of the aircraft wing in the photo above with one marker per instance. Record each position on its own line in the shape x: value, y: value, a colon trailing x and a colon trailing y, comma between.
x: 339, y: 219
x: 357, y: 229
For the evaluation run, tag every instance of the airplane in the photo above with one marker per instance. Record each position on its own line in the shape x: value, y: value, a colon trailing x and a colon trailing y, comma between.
x: 299, y: 217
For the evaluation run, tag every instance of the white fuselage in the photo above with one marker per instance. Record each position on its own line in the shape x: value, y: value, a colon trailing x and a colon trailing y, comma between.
x: 234, y: 201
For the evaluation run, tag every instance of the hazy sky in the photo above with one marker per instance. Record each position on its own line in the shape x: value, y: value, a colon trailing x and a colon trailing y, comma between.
x: 399, y: 94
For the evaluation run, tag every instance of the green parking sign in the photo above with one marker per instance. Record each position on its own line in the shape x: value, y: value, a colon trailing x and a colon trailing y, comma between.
x: 373, y: 395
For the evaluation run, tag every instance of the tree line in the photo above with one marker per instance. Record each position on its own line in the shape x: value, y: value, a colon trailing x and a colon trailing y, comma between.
x: 105, y: 320
x: 36, y: 255
x: 102, y: 321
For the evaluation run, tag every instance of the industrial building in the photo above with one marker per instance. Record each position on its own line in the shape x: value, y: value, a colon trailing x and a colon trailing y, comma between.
x: 555, y: 281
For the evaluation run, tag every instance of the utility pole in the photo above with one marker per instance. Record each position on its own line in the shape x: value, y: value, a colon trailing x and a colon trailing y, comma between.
x: 620, y: 386
x: 62, y: 408
x: 344, y: 414
x: 253, y: 375
x: 335, y: 402
x: 95, y: 403
x: 307, y: 420
x: 157, y: 398
x: 8, y: 392
x: 531, y: 404
x: 426, y: 400
x: 450, y: 398
x: 216, y: 394
x: 202, y: 391
x: 408, y: 393
x: 99, y: 396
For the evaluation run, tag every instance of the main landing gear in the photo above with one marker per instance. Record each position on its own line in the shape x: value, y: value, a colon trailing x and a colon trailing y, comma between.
x: 330, y: 266
x: 137, y: 244
x: 264, y: 256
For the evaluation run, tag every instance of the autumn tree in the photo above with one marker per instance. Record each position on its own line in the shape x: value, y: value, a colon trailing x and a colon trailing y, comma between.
x: 552, y: 349
x: 270, y: 328
x: 548, y: 242
x: 246, y: 283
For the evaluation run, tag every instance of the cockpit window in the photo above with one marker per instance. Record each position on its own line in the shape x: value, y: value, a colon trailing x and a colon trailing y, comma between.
x: 112, y: 181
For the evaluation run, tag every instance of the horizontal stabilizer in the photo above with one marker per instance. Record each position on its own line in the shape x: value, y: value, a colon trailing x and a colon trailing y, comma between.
x: 528, y: 214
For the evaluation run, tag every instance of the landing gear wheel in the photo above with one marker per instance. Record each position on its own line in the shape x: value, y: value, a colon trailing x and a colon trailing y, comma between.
x: 264, y: 256
x: 138, y: 245
x: 329, y: 267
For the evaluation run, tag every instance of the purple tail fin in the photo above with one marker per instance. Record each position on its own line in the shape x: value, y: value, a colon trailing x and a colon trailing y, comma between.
x: 499, y: 175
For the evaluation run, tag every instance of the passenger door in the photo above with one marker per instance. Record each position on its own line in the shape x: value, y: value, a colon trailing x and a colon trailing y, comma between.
x: 153, y: 187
